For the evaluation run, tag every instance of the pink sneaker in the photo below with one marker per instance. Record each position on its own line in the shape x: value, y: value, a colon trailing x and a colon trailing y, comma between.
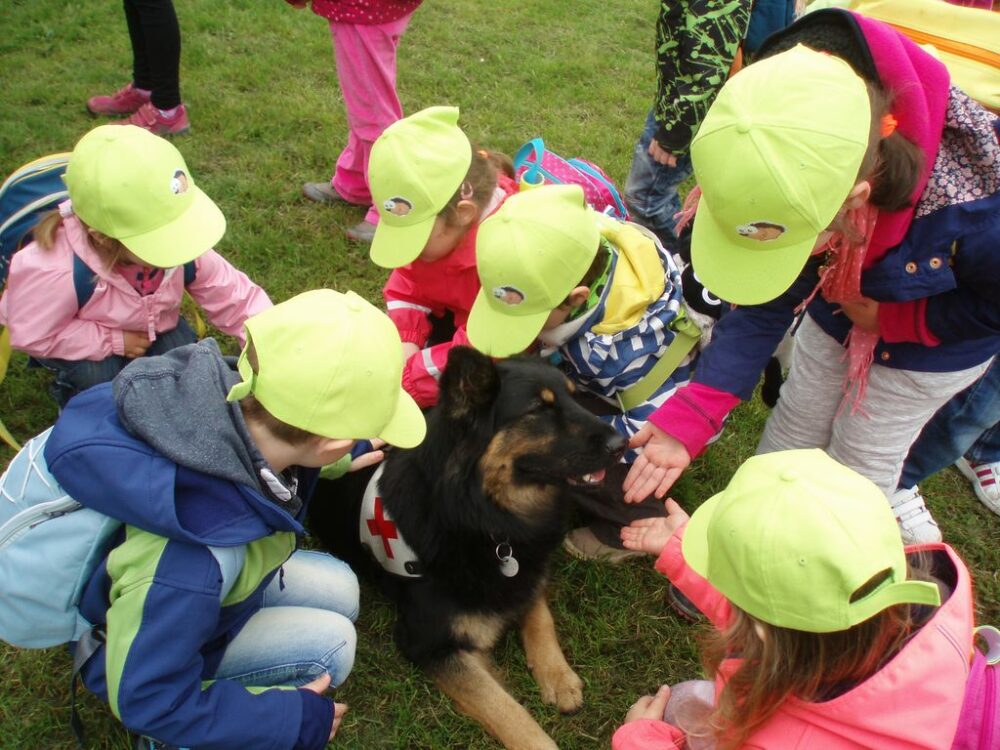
x: 125, y: 101
x: 150, y: 118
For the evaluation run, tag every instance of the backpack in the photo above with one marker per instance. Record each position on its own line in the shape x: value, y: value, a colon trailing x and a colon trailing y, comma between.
x: 964, y: 39
x: 49, y: 547
x: 979, y: 722
x: 535, y: 165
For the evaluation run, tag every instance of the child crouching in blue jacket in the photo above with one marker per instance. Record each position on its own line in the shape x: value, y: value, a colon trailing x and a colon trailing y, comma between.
x: 205, y: 602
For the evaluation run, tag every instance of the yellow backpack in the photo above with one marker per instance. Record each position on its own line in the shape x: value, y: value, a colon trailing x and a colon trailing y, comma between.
x: 964, y: 39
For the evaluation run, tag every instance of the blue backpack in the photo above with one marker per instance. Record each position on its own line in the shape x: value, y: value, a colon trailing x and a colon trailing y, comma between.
x: 49, y: 547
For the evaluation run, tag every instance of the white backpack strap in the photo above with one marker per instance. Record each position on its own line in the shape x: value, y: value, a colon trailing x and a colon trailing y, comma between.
x: 230, y: 560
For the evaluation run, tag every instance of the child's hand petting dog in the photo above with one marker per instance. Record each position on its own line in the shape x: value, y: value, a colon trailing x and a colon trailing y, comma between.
x: 366, y: 453
x: 651, y: 535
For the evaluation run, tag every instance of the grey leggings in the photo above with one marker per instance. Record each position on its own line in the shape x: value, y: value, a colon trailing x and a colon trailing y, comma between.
x: 873, y: 441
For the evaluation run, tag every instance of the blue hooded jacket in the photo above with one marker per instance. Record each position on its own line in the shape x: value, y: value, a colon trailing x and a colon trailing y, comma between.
x: 208, y: 525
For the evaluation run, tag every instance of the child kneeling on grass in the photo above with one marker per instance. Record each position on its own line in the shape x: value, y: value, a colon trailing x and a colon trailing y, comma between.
x: 204, y: 601
x: 604, y: 298
x: 824, y: 638
x: 103, y: 281
x: 431, y: 189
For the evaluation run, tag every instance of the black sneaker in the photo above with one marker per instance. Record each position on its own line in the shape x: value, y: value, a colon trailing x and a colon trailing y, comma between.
x: 681, y: 605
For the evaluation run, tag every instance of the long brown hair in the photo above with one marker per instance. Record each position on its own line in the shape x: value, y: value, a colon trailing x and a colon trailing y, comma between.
x: 479, y: 183
x: 809, y: 666
x: 108, y: 249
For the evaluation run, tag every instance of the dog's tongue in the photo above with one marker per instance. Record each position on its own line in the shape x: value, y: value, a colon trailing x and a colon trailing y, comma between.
x: 597, y: 476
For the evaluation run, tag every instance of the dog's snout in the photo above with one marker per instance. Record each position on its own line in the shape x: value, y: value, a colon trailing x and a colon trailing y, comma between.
x: 615, y: 444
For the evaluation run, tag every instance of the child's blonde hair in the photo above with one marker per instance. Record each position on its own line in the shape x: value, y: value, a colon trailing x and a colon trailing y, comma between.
x: 479, y: 183
x: 809, y: 666
x: 108, y: 249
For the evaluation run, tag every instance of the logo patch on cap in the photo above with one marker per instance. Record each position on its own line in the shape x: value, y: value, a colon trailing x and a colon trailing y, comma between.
x: 398, y: 206
x: 179, y: 183
x: 762, y: 231
x: 509, y: 295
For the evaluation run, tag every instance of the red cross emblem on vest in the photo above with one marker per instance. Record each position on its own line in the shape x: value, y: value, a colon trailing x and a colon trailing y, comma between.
x: 383, y: 527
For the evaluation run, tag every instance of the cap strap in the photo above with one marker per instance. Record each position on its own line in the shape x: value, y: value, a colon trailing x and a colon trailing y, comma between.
x: 245, y: 387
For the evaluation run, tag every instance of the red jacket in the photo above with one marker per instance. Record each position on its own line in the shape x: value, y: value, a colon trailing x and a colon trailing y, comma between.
x: 912, y: 703
x: 416, y: 291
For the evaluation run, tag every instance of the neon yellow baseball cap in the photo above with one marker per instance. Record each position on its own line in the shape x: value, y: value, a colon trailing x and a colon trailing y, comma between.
x: 330, y: 364
x: 415, y: 167
x: 530, y: 254
x: 776, y: 157
x: 134, y: 186
x: 793, y: 540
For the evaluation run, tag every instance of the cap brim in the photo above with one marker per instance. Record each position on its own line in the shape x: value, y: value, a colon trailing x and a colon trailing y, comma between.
x: 695, y: 543
x: 395, y: 246
x: 191, y: 234
x: 407, y: 427
x: 738, y: 274
x: 499, y: 335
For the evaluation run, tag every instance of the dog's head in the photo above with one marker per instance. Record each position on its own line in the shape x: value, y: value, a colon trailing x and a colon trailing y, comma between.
x: 520, y: 416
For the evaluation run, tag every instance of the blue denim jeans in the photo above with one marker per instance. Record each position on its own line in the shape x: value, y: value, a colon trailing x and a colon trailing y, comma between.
x: 73, y: 377
x: 967, y: 425
x: 305, y: 628
x: 651, y: 187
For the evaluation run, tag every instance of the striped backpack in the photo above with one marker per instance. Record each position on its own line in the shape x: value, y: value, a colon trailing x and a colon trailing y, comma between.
x: 535, y: 165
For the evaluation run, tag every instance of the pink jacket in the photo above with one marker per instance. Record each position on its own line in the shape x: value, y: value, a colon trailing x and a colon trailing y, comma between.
x: 40, y: 308
x: 912, y: 703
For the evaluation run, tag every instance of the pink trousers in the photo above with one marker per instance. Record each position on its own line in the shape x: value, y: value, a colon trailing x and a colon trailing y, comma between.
x: 366, y: 68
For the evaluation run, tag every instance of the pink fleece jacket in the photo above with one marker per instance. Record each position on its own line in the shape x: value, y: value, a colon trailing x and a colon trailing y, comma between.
x: 40, y: 307
x: 912, y: 703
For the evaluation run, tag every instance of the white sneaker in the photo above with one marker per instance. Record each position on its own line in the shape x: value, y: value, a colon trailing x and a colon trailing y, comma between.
x: 916, y: 526
x: 985, y: 480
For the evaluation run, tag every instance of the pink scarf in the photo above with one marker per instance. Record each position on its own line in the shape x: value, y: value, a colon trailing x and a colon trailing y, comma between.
x: 840, y: 282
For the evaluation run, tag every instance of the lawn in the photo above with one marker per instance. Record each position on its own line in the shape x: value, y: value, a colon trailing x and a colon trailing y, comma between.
x: 259, y: 81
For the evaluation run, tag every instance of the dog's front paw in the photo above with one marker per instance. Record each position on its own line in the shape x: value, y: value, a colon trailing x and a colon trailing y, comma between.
x: 564, y: 690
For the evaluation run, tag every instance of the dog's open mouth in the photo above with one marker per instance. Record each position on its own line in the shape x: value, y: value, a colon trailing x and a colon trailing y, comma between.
x: 589, y: 480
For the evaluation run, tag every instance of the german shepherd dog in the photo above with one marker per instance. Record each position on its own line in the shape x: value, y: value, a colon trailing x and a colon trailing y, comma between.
x: 482, y: 505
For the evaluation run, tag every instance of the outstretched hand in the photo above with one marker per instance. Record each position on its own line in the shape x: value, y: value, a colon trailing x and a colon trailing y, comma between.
x: 662, y: 461
x: 650, y: 535
x: 367, y: 455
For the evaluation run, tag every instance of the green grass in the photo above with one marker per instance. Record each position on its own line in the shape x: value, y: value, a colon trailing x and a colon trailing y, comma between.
x: 266, y: 111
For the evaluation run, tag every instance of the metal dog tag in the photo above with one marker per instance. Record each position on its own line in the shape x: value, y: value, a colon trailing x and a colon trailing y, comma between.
x: 509, y: 566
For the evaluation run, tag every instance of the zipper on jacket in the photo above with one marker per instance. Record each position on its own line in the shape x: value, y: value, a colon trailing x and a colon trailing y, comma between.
x: 962, y: 49
x: 35, y: 515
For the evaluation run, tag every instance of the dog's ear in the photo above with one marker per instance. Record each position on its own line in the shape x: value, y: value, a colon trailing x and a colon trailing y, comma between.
x: 470, y: 381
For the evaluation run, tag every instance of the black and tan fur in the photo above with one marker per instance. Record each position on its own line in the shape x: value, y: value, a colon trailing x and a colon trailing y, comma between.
x: 507, y: 451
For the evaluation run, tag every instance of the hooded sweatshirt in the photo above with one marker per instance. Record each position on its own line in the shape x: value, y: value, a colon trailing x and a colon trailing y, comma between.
x: 912, y: 703
x: 207, y: 526
x: 932, y: 267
